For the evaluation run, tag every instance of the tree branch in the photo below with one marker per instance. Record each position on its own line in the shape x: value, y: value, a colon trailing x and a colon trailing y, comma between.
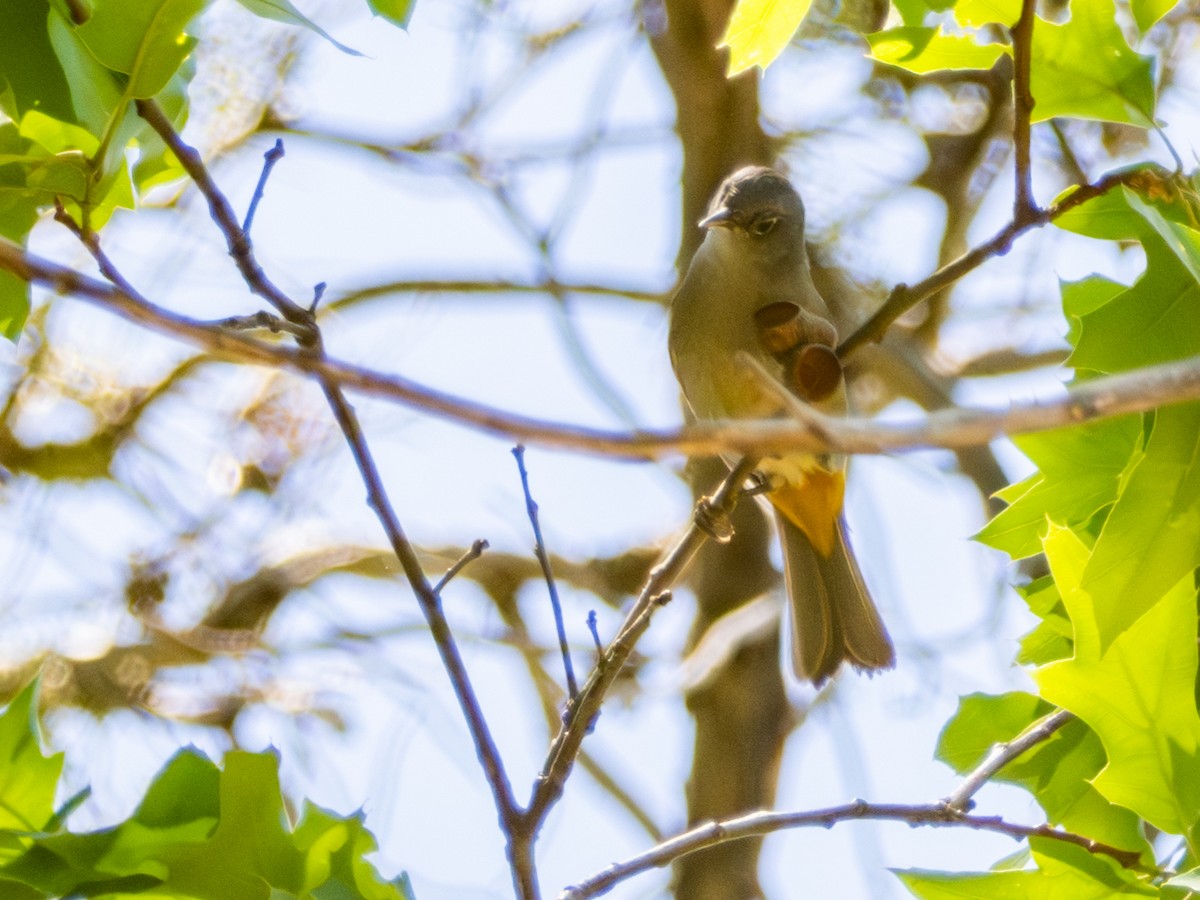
x: 905, y: 297
x: 240, y: 248
x: 760, y: 823
x: 1128, y: 392
x: 1024, y: 207
x: 1002, y: 754
x: 543, y: 558
x: 222, y: 214
x: 582, y: 710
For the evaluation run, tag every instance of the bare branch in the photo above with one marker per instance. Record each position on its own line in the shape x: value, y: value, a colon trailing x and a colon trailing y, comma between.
x: 272, y: 156
x: 1002, y: 754
x: 1024, y: 207
x: 222, y: 214
x: 905, y: 297
x: 473, y: 553
x: 1098, y: 398
x: 582, y: 711
x: 760, y: 823
x: 312, y: 350
x: 539, y: 550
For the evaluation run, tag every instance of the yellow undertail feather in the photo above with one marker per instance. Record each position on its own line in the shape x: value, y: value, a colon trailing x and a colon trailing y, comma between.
x: 813, y: 505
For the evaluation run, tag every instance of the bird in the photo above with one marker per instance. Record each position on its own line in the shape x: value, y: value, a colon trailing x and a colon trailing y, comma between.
x: 751, y: 264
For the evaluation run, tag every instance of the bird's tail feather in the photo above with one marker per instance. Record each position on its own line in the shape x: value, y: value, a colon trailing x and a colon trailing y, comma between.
x: 833, y: 616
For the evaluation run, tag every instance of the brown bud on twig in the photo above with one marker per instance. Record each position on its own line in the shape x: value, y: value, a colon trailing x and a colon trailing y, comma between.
x: 814, y: 372
x: 784, y: 326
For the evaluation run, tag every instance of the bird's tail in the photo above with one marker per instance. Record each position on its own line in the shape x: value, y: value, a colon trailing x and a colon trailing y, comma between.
x: 833, y: 616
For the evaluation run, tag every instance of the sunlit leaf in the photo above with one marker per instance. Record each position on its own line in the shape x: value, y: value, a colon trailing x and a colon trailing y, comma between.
x: 1137, y: 695
x: 398, y: 12
x: 1045, y: 883
x: 1085, y: 69
x: 14, y: 305
x: 1147, y: 12
x: 1152, y: 536
x: 221, y: 835
x: 285, y: 11
x: 28, y: 778
x: 143, y: 39
x: 759, y: 30
x: 1085, y: 296
x: 923, y: 50
x: 983, y: 720
x: 977, y: 13
x: 1080, y: 469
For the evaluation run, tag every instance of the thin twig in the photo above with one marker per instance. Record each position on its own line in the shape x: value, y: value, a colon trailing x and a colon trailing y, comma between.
x: 1098, y: 398
x: 472, y: 553
x: 91, y: 241
x: 272, y: 156
x: 543, y: 558
x: 1024, y: 207
x: 905, y: 297
x: 238, y: 241
x: 582, y: 712
x: 1004, y: 753
x: 594, y: 629
x: 760, y: 823
x: 485, y: 746
x: 311, y: 348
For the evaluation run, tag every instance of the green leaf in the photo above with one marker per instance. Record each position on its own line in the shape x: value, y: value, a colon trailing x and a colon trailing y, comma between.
x: 759, y: 30
x: 398, y: 12
x: 30, y: 74
x: 1147, y: 12
x: 1036, y: 885
x: 28, y: 779
x: 1057, y: 771
x: 1156, y: 320
x: 1152, y: 536
x: 983, y: 720
x: 1107, y: 217
x: 923, y: 50
x: 201, y: 832
x: 1064, y: 872
x: 978, y: 13
x: 1085, y: 69
x: 1085, y: 296
x: 142, y: 39
x: 96, y: 91
x: 284, y: 11
x: 1137, y: 695
x: 1189, y: 881
x: 14, y: 305
x: 1052, y: 638
x: 1080, y: 470
x: 912, y: 12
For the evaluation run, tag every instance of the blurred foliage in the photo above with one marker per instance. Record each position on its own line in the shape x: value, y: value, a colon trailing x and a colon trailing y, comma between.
x: 200, y: 831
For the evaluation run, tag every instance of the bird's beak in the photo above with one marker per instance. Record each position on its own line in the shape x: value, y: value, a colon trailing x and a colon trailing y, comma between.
x: 722, y: 218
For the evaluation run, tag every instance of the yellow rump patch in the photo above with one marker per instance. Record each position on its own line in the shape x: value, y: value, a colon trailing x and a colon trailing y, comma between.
x: 813, y: 506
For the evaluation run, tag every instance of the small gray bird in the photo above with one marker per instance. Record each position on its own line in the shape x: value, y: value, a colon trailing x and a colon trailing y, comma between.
x: 753, y: 261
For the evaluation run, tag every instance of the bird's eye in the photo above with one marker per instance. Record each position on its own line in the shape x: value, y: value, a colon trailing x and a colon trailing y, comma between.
x: 764, y: 226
